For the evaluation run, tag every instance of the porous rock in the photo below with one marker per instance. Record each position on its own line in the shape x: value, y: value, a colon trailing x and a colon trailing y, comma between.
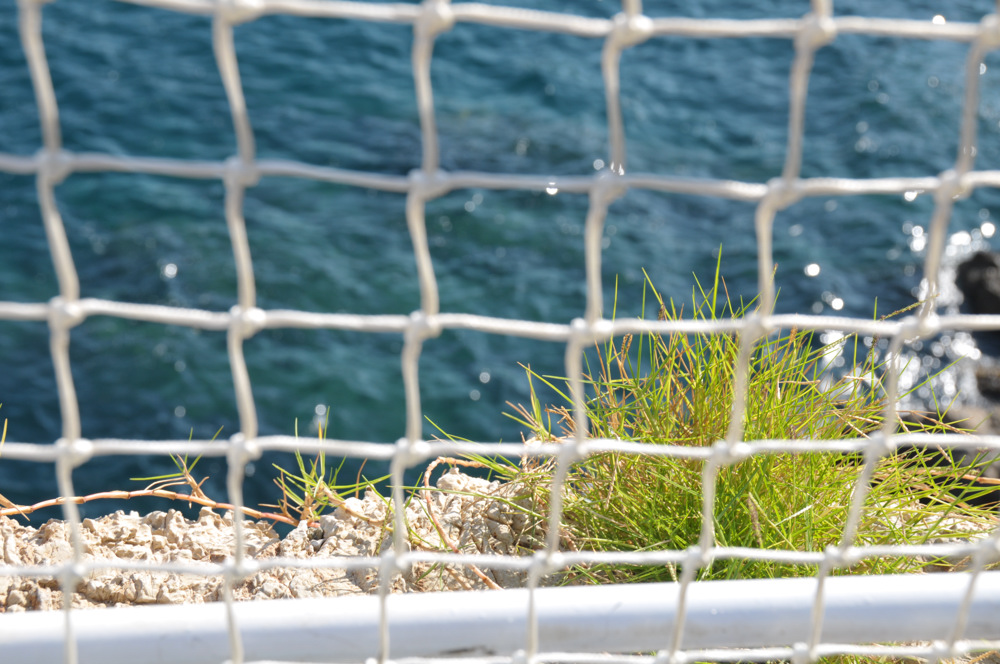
x: 464, y: 514
x: 979, y: 280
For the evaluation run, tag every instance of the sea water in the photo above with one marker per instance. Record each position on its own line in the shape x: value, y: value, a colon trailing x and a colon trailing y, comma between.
x: 143, y: 82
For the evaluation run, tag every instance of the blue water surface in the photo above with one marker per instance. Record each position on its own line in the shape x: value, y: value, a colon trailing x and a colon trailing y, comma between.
x: 138, y: 81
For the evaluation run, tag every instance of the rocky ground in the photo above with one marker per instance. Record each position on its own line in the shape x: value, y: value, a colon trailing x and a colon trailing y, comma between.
x: 474, y: 514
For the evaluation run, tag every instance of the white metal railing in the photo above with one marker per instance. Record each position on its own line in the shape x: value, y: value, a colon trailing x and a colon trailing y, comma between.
x: 822, y: 613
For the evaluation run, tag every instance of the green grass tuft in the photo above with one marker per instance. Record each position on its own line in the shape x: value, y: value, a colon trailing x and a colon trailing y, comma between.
x: 677, y: 389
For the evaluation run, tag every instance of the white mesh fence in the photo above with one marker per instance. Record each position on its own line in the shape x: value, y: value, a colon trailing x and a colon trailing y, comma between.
x: 683, y: 603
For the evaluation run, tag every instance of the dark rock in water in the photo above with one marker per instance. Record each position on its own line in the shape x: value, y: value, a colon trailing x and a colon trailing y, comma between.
x: 979, y: 280
x: 988, y: 381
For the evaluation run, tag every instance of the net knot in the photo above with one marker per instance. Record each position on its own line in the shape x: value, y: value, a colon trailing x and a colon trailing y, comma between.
x: 411, y: 452
x: 235, y: 12
x: 235, y: 570
x: 427, y: 186
x: 940, y: 651
x: 836, y: 557
x: 64, y: 314
x: 817, y: 31
x: 987, y: 552
x: 435, y: 17
x: 877, y: 447
x: 242, y: 450
x: 554, y: 561
x: 608, y: 185
x: 989, y: 35
x: 919, y: 327
x: 72, y: 574
x: 782, y: 193
x: 247, y: 322
x: 951, y: 188
x: 572, y: 450
x: 928, y: 325
x: 542, y: 563
x: 584, y: 334
x: 242, y: 173
x: 423, y: 326
x: 53, y: 165
x: 755, y: 326
x: 389, y: 565
x: 802, y: 654
x: 75, y: 452
x: 725, y: 453
x: 695, y: 558
x: 670, y: 657
x: 630, y: 30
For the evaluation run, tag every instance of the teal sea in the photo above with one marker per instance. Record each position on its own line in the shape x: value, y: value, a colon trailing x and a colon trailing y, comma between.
x: 139, y: 81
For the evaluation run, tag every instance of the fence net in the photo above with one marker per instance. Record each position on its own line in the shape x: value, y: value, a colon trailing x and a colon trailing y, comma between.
x: 631, y: 27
